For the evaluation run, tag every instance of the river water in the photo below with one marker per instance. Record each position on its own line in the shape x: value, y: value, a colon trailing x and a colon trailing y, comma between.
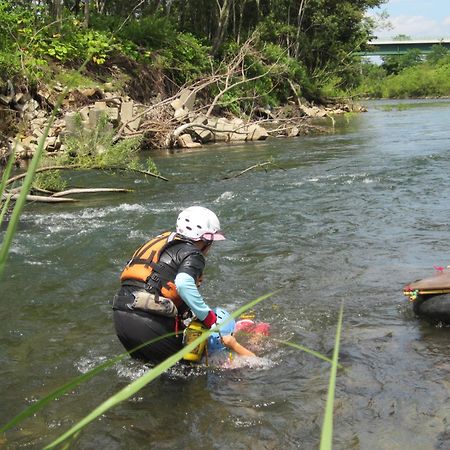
x: 352, y: 215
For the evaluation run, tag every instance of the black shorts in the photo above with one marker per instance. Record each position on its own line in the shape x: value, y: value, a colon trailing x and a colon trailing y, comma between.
x: 134, y: 328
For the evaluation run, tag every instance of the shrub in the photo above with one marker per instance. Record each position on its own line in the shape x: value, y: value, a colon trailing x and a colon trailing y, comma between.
x: 437, y: 54
x: 16, y: 27
x: 95, y: 149
x: 420, y: 81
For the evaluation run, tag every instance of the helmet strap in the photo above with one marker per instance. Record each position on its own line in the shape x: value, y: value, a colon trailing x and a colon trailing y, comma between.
x: 204, y: 245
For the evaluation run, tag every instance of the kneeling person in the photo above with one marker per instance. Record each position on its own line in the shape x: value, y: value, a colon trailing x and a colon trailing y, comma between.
x: 159, y: 286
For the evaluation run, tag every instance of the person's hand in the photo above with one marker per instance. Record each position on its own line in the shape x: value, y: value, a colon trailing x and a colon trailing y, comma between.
x: 229, y: 341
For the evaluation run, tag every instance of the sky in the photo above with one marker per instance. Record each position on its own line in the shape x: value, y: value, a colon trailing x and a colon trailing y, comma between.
x: 419, y: 19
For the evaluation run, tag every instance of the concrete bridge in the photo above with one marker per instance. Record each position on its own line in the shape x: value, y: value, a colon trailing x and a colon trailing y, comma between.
x: 383, y: 48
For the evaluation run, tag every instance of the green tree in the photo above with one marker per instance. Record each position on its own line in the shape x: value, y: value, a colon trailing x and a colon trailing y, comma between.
x: 173, y: 35
x: 437, y: 53
x: 401, y: 37
x: 394, y: 64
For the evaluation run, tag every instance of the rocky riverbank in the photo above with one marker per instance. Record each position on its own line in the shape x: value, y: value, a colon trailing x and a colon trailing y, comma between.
x: 180, y: 121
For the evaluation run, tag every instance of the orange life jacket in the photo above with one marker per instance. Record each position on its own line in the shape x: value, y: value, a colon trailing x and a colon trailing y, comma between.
x: 144, y: 260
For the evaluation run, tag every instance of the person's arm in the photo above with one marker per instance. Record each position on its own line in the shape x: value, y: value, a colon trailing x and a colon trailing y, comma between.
x: 188, y: 291
x: 233, y: 344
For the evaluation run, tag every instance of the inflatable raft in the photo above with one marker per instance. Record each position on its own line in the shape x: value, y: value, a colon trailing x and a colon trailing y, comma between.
x: 431, y: 296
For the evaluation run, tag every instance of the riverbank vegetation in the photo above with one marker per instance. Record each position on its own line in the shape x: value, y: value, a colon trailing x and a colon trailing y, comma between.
x: 171, y: 43
x: 297, y: 52
x: 410, y: 75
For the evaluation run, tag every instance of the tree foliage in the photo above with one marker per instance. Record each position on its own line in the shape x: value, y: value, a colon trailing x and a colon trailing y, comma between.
x: 437, y: 55
x: 185, y: 37
x: 394, y: 64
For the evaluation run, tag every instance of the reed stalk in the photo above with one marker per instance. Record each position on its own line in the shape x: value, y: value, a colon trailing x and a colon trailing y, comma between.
x: 26, y: 187
x: 326, y: 438
x: 5, y: 177
x: 72, y: 384
x: 307, y: 350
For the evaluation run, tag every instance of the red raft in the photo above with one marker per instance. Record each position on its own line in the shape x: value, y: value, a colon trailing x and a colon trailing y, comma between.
x: 431, y: 296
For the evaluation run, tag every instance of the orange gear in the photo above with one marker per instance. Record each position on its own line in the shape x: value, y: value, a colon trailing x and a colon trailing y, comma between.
x: 144, y: 260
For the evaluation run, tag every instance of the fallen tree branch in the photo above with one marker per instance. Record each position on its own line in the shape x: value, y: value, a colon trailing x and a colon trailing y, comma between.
x: 42, y: 198
x: 143, y: 172
x: 88, y: 191
x: 186, y: 126
x: 228, y: 87
x: 147, y: 110
x: 255, y: 166
x: 36, y: 189
x: 294, y: 90
x: 224, y: 80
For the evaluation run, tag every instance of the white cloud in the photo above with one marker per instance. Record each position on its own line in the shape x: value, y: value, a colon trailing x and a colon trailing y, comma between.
x: 416, y: 27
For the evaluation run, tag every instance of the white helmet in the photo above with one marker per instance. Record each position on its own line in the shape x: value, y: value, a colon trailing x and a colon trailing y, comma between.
x: 198, y: 223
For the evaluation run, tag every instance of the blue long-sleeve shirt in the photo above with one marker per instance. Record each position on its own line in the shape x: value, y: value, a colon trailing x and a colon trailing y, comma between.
x: 188, y: 291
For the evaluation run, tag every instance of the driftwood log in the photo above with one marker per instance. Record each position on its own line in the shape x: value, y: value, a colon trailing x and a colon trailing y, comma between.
x: 60, y: 197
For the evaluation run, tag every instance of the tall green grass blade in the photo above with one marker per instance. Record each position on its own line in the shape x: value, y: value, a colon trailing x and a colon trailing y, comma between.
x: 130, y: 389
x: 307, y: 350
x: 141, y: 382
x: 5, y: 208
x: 26, y: 186
x: 326, y: 439
x: 5, y: 177
x: 35, y: 407
x: 28, y: 180
x: 7, y: 171
x: 298, y: 347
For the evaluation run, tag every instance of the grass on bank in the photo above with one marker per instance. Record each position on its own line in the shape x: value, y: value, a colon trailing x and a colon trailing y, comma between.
x: 423, y: 79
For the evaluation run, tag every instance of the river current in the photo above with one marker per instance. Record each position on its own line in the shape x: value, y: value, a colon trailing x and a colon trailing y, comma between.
x: 348, y: 216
